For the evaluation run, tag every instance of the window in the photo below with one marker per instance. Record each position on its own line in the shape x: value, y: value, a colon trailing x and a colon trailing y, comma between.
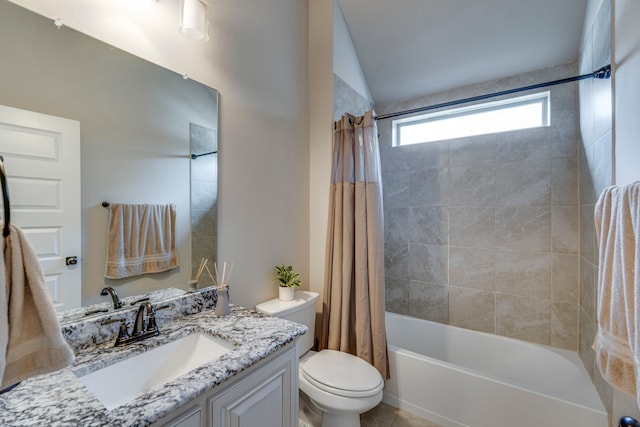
x: 523, y: 112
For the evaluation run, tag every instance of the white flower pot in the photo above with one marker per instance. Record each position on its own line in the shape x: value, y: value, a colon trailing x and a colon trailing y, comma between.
x: 285, y: 294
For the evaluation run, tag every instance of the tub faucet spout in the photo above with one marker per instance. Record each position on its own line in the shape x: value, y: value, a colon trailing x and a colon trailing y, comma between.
x: 114, y: 296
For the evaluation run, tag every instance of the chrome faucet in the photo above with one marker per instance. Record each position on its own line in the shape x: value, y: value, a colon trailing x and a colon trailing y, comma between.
x: 140, y: 330
x: 114, y: 296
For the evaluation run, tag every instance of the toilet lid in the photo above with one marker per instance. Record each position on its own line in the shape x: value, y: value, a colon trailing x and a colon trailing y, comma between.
x: 342, y: 374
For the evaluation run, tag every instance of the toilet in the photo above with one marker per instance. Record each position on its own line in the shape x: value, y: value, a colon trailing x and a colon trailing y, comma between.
x: 341, y: 386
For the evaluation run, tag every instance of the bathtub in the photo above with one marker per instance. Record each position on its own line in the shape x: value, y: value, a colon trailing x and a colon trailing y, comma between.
x: 457, y: 377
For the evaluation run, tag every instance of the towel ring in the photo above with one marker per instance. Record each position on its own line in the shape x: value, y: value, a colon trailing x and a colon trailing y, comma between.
x: 5, y: 199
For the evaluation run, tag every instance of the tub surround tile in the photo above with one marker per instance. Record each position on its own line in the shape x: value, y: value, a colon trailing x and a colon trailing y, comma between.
x: 429, y: 301
x: 396, y: 260
x: 428, y: 263
x: 513, y: 213
x: 472, y: 309
x: 565, y: 277
x: 588, y: 287
x: 528, y: 145
x: 524, y: 274
x: 429, y: 224
x: 588, y: 194
x: 602, y: 162
x: 473, y: 151
x: 472, y: 185
x: 523, y: 228
x: 429, y: 187
x: 588, y: 241
x: 564, y: 136
x: 433, y: 155
x: 565, y: 226
x: 564, y: 325
x: 472, y: 268
x: 564, y: 181
x: 396, y: 188
x: 524, y: 318
x: 397, y: 295
x: 472, y: 226
x: 565, y: 96
x: 585, y: 341
x: 524, y: 183
x: 60, y: 399
x: 396, y: 224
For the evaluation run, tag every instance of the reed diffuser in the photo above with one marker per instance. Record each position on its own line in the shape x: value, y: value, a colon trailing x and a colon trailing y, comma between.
x: 193, y: 283
x: 222, y: 288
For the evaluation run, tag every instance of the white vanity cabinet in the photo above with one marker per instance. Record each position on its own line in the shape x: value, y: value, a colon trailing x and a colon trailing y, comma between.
x: 264, y: 395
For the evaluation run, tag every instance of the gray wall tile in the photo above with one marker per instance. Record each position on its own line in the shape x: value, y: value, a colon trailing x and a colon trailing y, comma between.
x: 476, y: 220
x: 523, y: 228
x: 429, y: 301
x: 565, y: 229
x: 472, y: 309
x: 525, y: 274
x: 473, y: 226
x: 428, y: 263
x: 472, y: 268
x: 523, y: 318
x: 429, y: 224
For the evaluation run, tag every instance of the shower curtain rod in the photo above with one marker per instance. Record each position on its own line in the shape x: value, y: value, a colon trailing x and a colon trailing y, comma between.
x: 601, y: 73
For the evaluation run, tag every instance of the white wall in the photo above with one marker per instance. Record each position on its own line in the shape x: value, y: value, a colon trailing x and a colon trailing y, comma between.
x: 626, y: 89
x: 320, y: 134
x: 257, y: 59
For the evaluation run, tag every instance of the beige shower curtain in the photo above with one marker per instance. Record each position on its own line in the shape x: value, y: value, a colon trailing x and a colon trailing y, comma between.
x: 353, y: 309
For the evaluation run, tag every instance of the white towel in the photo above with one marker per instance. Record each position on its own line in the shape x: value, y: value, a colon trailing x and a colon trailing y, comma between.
x: 141, y: 239
x: 31, y: 342
x: 617, y: 343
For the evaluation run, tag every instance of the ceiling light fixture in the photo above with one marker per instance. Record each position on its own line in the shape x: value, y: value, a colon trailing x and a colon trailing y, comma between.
x: 194, y: 19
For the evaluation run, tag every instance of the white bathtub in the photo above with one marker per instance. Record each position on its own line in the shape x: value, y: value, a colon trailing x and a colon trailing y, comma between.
x: 457, y: 377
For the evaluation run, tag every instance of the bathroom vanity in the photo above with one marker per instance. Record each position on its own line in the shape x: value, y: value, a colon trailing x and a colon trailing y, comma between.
x: 253, y: 381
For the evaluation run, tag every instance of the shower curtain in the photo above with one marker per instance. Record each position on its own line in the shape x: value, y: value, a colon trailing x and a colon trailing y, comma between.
x: 353, y: 305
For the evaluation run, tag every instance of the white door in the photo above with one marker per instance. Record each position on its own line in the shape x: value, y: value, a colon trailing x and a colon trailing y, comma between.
x: 42, y: 161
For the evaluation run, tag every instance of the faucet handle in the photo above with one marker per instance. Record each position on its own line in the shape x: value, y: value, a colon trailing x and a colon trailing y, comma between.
x: 123, y: 334
x: 152, y: 326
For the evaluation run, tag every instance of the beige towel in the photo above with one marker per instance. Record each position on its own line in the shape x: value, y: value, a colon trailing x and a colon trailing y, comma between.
x: 142, y: 239
x: 617, y: 343
x: 34, y: 344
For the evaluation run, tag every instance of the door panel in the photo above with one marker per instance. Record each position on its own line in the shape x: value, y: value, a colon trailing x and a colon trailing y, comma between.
x: 42, y: 161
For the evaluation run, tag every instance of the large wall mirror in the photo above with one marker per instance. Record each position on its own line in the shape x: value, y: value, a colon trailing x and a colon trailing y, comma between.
x: 139, y: 126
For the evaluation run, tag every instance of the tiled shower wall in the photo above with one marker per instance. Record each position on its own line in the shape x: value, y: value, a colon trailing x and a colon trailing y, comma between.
x: 596, y: 172
x: 347, y: 100
x: 483, y: 232
x: 204, y: 200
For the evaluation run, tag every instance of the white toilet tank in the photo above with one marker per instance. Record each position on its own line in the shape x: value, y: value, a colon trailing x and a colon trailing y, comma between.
x: 301, y: 309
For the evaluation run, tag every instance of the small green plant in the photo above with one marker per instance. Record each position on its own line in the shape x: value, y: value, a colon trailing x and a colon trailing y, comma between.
x: 286, y: 277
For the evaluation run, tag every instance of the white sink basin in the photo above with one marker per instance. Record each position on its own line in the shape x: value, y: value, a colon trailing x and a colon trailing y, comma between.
x: 122, y: 382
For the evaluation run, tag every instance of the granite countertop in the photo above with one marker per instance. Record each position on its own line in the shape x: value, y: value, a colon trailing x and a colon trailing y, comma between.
x: 60, y: 399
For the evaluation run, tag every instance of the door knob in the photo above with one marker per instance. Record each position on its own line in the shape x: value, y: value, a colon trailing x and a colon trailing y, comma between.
x: 71, y: 260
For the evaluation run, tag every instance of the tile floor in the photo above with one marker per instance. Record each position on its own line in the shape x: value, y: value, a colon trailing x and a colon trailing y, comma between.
x: 385, y: 415
x: 382, y: 415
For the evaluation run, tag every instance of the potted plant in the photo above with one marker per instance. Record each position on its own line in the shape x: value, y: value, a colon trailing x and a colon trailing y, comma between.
x: 287, y: 281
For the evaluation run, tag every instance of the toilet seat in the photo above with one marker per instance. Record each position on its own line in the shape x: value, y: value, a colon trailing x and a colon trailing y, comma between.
x: 342, y: 374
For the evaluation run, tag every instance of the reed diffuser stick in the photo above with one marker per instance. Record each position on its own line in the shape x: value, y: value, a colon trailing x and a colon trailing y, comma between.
x: 211, y: 275
x: 203, y: 264
x: 224, y: 268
